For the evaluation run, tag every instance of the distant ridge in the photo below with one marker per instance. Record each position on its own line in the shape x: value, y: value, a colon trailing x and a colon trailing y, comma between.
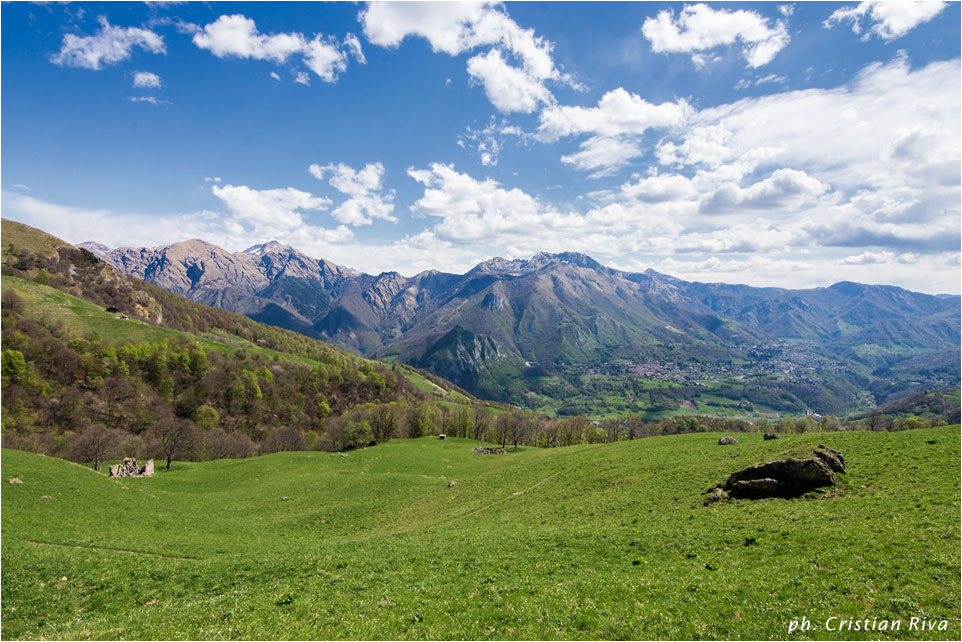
x: 501, y: 327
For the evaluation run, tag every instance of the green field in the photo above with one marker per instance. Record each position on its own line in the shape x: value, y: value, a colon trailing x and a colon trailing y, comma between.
x: 585, y: 542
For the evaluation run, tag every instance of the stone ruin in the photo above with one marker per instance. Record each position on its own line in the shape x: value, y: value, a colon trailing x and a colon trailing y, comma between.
x: 488, y: 451
x: 129, y: 468
x: 783, y: 478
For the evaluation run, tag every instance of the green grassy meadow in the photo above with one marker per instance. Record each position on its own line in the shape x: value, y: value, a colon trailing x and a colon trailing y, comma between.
x: 587, y: 542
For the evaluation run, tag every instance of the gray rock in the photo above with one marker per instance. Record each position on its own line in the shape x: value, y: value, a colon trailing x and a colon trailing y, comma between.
x: 726, y: 441
x: 754, y: 488
x: 786, y: 477
x: 488, y: 451
x: 453, y: 483
x: 770, y: 435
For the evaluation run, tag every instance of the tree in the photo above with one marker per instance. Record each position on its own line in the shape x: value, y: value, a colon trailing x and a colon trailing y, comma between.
x: 95, y: 445
x: 520, y: 425
x: 176, y: 437
x: 285, y: 439
x: 383, y: 422
x: 13, y: 364
x: 481, y: 417
x: 357, y: 434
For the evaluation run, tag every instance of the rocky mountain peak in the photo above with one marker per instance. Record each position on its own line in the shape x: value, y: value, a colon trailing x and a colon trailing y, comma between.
x: 540, y: 260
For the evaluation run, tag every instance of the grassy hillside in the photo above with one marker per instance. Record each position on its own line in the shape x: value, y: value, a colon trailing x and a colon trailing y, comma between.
x: 586, y: 542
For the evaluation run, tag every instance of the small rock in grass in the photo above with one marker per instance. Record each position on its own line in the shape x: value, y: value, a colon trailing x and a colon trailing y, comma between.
x: 63, y: 579
x: 45, y: 497
x: 283, y: 499
x: 453, y: 483
x: 727, y: 441
x: 16, y: 480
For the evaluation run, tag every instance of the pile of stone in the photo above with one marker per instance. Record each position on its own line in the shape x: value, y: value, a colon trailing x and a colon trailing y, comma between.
x: 129, y: 468
x: 488, y: 451
x: 783, y: 478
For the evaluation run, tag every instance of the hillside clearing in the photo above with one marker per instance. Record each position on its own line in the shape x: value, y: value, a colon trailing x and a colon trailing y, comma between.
x: 605, y: 541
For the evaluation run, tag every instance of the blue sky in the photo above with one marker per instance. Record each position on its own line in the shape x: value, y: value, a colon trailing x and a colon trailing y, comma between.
x: 788, y: 144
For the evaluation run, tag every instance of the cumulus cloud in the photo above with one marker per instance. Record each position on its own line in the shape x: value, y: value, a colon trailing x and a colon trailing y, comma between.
x: 108, y: 46
x: 615, y: 124
x: 700, y: 28
x: 271, y: 206
x: 146, y: 80
x: 508, y: 88
x: 618, y: 112
x: 458, y: 27
x: 887, y: 20
x: 237, y: 36
x: 784, y: 187
x: 363, y: 186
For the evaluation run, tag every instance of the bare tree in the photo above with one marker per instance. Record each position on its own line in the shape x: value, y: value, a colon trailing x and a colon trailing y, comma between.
x: 481, y: 419
x: 95, y: 445
x: 176, y: 436
x: 284, y: 439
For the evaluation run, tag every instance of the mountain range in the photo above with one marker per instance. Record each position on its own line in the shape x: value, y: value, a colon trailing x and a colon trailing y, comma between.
x: 530, y: 331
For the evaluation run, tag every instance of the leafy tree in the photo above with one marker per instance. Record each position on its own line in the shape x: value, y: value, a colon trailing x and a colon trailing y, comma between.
x: 357, y: 434
x: 12, y: 364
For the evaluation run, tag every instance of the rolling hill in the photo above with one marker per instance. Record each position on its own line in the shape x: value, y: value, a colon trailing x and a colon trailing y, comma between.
x: 586, y: 542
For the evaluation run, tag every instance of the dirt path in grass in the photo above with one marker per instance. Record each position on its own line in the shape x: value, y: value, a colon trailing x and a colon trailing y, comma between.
x: 112, y: 550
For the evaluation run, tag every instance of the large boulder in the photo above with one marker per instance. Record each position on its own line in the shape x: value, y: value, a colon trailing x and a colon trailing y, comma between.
x: 727, y: 441
x: 786, y: 477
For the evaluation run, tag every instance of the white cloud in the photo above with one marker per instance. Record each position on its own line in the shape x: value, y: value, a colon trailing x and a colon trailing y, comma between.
x: 457, y: 27
x: 363, y: 186
x: 212, y: 179
x: 619, y: 112
x: 237, y: 36
x: 616, y: 125
x: 20, y: 186
x: 275, y: 76
x: 153, y: 100
x: 489, y: 140
x: 108, y: 46
x: 701, y: 28
x: 508, y: 88
x: 786, y: 9
x: 325, y: 59
x: 354, y: 47
x: 276, y: 207
x: 784, y: 188
x: 301, y: 77
x: 889, y: 20
x: 146, y: 80
x: 603, y: 155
